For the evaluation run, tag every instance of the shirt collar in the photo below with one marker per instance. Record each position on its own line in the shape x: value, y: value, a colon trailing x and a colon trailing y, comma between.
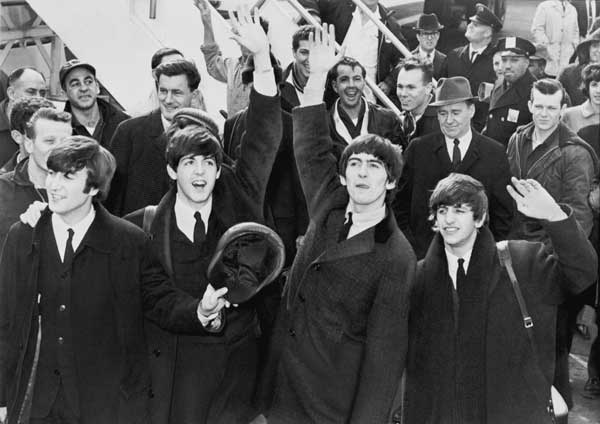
x: 166, y: 124
x: 61, y: 228
x: 478, y: 51
x: 184, y: 215
x: 465, y: 139
x: 418, y: 112
x: 587, y: 110
x: 453, y: 264
x: 363, y: 217
x: 423, y: 53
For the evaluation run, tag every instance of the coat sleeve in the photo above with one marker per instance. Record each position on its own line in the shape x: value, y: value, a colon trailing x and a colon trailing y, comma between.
x: 402, y: 201
x: 313, y: 149
x: 8, y: 265
x: 576, y: 184
x: 120, y: 147
x: 502, y: 208
x: 216, y: 64
x: 386, y: 344
x: 259, y: 144
x: 538, y: 26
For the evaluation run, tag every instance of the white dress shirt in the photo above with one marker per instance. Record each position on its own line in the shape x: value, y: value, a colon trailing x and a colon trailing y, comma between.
x: 61, y: 231
x: 463, y: 145
x: 184, y: 216
x: 453, y: 264
x: 364, y: 221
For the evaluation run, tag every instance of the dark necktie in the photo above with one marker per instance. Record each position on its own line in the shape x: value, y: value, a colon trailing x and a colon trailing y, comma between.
x: 456, y: 154
x: 408, y: 126
x: 69, y: 252
x: 346, y: 228
x: 473, y: 56
x: 199, y: 231
x: 461, y: 276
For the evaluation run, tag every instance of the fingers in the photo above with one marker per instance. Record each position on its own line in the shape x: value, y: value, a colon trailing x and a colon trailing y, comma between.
x: 513, y: 193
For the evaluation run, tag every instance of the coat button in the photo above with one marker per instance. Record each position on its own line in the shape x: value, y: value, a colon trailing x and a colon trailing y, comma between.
x: 156, y: 352
x: 317, y: 267
x: 62, y: 308
x: 292, y: 332
x: 61, y: 340
x: 56, y: 372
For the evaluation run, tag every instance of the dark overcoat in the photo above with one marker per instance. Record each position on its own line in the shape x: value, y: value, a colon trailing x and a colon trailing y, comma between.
x: 341, y: 337
x: 516, y: 388
x: 427, y: 162
x: 141, y: 177
x: 570, y: 78
x: 112, y: 116
x: 118, y: 253
x: 238, y: 196
x: 482, y: 70
x: 501, y: 122
x: 440, y: 67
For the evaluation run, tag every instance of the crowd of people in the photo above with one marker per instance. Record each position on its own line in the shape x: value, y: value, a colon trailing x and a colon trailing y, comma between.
x: 436, y: 260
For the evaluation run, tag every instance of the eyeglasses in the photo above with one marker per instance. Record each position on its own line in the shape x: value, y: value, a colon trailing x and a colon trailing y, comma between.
x: 429, y: 34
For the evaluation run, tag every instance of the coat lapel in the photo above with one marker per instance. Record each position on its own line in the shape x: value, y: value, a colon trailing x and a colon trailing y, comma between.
x: 472, y: 155
x: 440, y: 152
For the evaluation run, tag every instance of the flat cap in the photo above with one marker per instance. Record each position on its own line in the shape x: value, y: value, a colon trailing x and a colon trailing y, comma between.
x: 71, y: 65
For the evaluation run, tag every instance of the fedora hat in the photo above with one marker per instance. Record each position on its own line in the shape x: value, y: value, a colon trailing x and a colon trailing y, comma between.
x: 248, y: 257
x: 594, y: 37
x: 452, y: 90
x: 428, y: 22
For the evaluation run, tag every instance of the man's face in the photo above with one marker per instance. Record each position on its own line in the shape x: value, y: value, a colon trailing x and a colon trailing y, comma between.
x: 546, y: 110
x: 537, y: 68
x: 594, y: 89
x: 477, y: 32
x: 196, y: 177
x: 48, y: 134
x: 428, y: 39
x: 29, y: 84
x: 66, y: 196
x: 411, y: 89
x: 455, y: 119
x: 595, y: 52
x: 173, y: 94
x: 349, y: 85
x: 497, y: 63
x: 514, y: 67
x: 457, y: 225
x: 301, y: 57
x: 81, y: 88
x: 367, y: 182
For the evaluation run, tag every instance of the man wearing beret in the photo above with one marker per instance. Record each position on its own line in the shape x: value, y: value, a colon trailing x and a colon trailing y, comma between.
x: 508, y: 103
x: 211, y: 379
x: 91, y: 116
x: 457, y: 148
x: 475, y: 60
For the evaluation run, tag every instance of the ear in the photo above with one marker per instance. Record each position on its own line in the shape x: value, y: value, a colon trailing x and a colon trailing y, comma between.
x: 93, y: 192
x: 334, y: 86
x: 530, y: 106
x: 10, y: 92
x: 343, y: 181
x: 172, y: 173
x: 390, y: 185
x: 219, y: 172
x: 28, y: 145
x: 17, y: 136
x: 480, y: 221
x: 429, y: 87
x: 471, y: 110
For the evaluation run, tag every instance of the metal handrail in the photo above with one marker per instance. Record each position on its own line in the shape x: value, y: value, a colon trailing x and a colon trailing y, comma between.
x: 376, y: 90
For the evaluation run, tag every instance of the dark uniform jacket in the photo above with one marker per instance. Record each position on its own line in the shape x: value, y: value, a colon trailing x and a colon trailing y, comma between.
x: 341, y: 337
x: 238, y: 196
x: 111, y: 118
x: 509, y: 109
x: 141, y: 177
x: 514, y: 388
x: 7, y: 145
x: 113, y: 252
x: 339, y: 13
x: 482, y: 70
x: 427, y: 162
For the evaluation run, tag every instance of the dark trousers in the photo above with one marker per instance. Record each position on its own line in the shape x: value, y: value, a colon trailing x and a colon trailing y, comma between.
x: 60, y: 413
x: 220, y: 388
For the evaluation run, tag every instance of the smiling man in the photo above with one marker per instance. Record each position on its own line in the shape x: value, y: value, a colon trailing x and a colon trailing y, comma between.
x: 352, y: 114
x: 144, y: 181
x: 458, y: 148
x: 91, y: 116
x: 340, y: 341
x: 471, y: 360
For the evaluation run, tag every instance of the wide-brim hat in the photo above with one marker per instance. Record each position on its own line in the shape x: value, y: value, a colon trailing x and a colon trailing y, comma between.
x: 248, y: 257
x: 592, y: 38
x: 428, y: 22
x: 541, y: 53
x: 452, y: 90
x: 484, y: 16
x: 515, y: 46
x: 71, y: 65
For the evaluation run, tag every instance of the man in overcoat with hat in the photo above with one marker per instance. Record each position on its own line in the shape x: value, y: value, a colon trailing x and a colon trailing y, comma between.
x: 457, y: 148
x: 211, y: 379
x: 428, y: 33
x: 475, y: 60
x: 508, y: 103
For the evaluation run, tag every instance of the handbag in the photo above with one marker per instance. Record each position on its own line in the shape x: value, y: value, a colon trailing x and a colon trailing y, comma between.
x: 557, y: 407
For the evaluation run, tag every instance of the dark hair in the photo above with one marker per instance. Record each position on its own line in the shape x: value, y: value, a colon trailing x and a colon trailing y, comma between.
x: 157, y: 57
x: 192, y: 140
x: 380, y: 147
x: 49, y: 114
x: 548, y: 86
x: 346, y: 61
x: 23, y: 109
x: 583, y: 54
x: 179, y: 67
x: 459, y: 189
x: 590, y: 73
x: 425, y: 66
x: 77, y: 152
x: 16, y: 74
x: 301, y: 34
